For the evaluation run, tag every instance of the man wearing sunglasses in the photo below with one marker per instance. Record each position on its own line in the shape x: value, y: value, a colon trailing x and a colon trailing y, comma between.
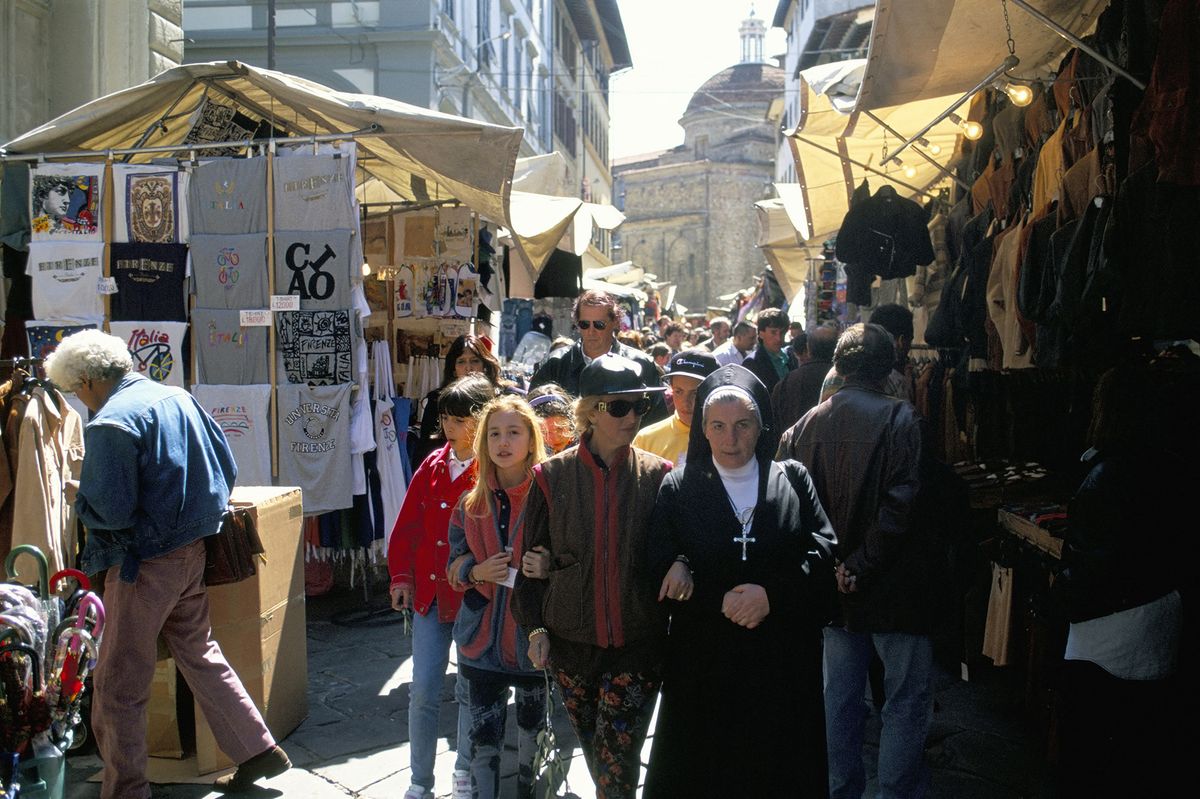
x: 596, y: 315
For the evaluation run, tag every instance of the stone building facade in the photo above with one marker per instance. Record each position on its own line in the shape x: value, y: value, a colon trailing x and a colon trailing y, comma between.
x: 59, y: 54
x: 689, y: 214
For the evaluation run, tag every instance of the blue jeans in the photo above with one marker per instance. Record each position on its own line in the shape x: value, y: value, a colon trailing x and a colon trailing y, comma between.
x: 907, y: 711
x: 431, y: 656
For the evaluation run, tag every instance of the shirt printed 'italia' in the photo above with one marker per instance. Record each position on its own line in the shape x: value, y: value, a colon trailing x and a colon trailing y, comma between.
x: 229, y: 195
x: 225, y: 351
x: 156, y: 348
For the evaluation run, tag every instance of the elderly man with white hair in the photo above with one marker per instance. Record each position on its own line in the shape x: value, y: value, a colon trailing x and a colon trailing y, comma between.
x: 155, y: 482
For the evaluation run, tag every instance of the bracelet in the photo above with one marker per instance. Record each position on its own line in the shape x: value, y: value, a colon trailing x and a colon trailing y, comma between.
x: 537, y: 631
x: 684, y: 560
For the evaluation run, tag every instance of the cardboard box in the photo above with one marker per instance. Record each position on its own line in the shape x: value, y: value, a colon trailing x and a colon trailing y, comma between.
x: 162, y: 718
x: 259, y: 624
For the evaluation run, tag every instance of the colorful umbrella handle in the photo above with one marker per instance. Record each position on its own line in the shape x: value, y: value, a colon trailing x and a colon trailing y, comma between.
x: 35, y: 660
x: 74, y: 574
x: 43, y: 566
x: 92, y: 602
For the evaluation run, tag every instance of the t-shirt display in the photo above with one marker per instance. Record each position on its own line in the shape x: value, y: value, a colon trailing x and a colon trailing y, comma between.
x: 64, y: 202
x: 314, y: 266
x: 315, y: 347
x: 454, y: 233
x: 156, y: 347
x: 44, y: 337
x: 243, y: 414
x: 230, y: 271
x: 229, y: 195
x: 150, y: 281
x: 148, y: 205
x: 225, y: 351
x: 314, y: 444
x: 65, y: 280
x: 314, y: 192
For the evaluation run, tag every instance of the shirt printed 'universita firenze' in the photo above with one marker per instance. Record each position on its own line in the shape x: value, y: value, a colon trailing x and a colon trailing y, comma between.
x: 314, y: 444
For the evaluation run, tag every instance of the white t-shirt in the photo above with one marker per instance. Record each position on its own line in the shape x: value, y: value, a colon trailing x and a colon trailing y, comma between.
x: 242, y: 413
x: 65, y: 279
x: 148, y: 204
x: 1140, y: 643
x: 156, y: 347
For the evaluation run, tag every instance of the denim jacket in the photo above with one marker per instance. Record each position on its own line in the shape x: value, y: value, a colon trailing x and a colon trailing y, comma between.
x: 157, y: 471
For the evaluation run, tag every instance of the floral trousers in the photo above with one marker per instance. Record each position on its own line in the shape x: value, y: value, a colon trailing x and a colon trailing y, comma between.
x: 611, y: 716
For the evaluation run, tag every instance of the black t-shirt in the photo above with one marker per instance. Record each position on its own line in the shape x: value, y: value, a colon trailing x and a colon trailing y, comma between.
x: 150, y: 282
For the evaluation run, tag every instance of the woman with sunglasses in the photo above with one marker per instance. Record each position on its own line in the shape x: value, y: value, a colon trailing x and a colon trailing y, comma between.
x: 597, y: 319
x: 596, y: 620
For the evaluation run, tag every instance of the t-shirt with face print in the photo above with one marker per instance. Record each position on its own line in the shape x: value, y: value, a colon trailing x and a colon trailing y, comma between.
x: 230, y: 271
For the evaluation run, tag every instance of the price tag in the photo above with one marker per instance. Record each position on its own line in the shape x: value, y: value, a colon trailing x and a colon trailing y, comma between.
x: 511, y: 579
x: 106, y: 285
x: 257, y: 317
x: 285, y: 302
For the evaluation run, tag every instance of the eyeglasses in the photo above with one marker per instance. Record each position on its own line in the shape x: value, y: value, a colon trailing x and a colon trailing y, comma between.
x: 619, y: 409
x: 599, y: 324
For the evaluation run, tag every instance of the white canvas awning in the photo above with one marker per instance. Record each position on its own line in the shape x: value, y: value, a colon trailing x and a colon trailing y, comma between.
x: 937, y: 48
x: 417, y: 153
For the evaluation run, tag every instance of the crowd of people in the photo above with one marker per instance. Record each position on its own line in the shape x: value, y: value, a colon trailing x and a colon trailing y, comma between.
x: 672, y: 517
x: 741, y: 529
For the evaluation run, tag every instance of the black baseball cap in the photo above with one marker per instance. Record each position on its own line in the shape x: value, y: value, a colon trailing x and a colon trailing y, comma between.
x: 613, y: 374
x: 692, y: 363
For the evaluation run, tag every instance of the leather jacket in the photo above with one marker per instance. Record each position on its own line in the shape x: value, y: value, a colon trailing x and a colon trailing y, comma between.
x: 565, y: 365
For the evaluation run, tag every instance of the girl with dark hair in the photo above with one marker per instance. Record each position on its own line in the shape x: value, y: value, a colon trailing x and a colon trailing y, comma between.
x: 553, y: 407
x: 417, y: 549
x: 467, y: 355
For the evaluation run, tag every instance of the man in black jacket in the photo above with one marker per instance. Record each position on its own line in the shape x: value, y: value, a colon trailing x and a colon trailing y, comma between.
x: 862, y: 449
x: 770, y: 362
x: 596, y: 318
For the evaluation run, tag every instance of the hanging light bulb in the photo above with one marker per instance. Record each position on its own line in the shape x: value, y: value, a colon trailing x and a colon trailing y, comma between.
x: 935, y: 149
x: 910, y: 171
x: 1019, y: 94
x: 366, y: 269
x: 971, y: 129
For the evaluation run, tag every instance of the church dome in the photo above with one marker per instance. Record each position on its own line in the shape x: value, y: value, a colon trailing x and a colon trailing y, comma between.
x: 741, y: 83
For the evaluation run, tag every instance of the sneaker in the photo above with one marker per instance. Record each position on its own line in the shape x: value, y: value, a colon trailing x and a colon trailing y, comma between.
x: 416, y: 792
x: 462, y: 786
x: 270, y: 763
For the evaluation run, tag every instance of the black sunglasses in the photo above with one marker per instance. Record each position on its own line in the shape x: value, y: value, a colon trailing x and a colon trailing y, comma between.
x: 619, y: 409
x: 584, y: 324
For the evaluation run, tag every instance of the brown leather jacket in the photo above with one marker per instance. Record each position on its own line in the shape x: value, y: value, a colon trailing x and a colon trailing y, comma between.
x: 595, y: 523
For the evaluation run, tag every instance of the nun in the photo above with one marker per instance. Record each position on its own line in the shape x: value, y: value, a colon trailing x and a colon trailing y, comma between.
x: 742, y: 690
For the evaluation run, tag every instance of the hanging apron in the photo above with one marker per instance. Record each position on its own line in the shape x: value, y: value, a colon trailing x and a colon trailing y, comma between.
x: 388, y: 459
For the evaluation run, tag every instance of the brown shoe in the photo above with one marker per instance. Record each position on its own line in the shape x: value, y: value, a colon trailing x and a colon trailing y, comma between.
x: 270, y: 763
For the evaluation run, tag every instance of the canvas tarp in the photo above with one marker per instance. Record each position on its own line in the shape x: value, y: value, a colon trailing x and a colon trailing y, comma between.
x: 939, y: 48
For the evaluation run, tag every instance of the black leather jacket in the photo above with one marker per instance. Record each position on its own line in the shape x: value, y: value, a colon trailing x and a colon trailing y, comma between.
x: 565, y: 365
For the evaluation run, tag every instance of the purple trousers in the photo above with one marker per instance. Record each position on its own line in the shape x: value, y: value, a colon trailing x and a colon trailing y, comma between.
x: 168, y: 597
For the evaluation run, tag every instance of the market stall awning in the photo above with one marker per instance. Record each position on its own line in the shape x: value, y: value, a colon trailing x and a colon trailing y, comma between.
x: 417, y: 153
x: 944, y: 47
x: 780, y: 244
x: 835, y: 151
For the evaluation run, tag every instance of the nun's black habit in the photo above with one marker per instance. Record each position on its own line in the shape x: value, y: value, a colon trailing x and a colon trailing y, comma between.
x: 742, y: 711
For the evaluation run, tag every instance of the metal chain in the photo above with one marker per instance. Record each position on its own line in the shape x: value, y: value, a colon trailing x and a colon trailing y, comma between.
x: 1012, y: 45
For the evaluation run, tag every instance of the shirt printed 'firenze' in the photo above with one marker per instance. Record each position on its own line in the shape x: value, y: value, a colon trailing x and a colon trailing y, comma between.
x: 64, y: 280
x: 314, y: 192
x: 150, y: 282
x: 242, y: 412
x: 315, y: 347
x: 229, y: 195
x: 156, y: 348
x: 315, y: 267
x: 314, y: 444
x: 225, y: 351
x: 230, y: 271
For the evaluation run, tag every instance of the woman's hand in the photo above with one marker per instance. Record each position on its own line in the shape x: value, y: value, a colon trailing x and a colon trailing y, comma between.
x: 492, y: 570
x: 401, y: 597
x: 535, y: 564
x: 847, y: 581
x: 677, y: 584
x: 539, y: 650
x: 454, y: 569
x: 746, y: 605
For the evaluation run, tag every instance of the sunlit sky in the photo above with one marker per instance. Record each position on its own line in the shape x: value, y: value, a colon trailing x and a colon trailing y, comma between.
x: 676, y: 45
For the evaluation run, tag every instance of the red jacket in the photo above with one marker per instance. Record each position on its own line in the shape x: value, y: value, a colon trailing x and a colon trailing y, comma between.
x: 419, y: 547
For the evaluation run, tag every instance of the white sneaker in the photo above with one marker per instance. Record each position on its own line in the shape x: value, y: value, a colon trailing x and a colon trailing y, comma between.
x: 416, y: 792
x: 462, y: 786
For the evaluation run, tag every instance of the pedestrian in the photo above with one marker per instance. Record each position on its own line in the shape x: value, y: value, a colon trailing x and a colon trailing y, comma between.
x: 897, y: 321
x: 718, y: 327
x: 593, y: 620
x: 862, y: 450
x: 417, y: 558
x: 467, y: 355
x: 668, y: 439
x: 742, y: 685
x: 673, y: 336
x: 487, y: 528
x: 738, y: 346
x: 553, y: 408
x: 801, y: 389
x: 770, y: 362
x: 155, y: 483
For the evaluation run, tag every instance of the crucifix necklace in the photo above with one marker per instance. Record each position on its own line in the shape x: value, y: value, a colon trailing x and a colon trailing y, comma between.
x: 746, y: 520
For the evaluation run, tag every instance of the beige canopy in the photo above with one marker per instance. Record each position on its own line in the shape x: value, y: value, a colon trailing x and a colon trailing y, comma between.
x: 936, y: 48
x: 416, y: 153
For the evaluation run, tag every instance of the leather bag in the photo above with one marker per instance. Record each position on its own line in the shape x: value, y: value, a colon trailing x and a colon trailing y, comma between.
x: 232, y: 552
